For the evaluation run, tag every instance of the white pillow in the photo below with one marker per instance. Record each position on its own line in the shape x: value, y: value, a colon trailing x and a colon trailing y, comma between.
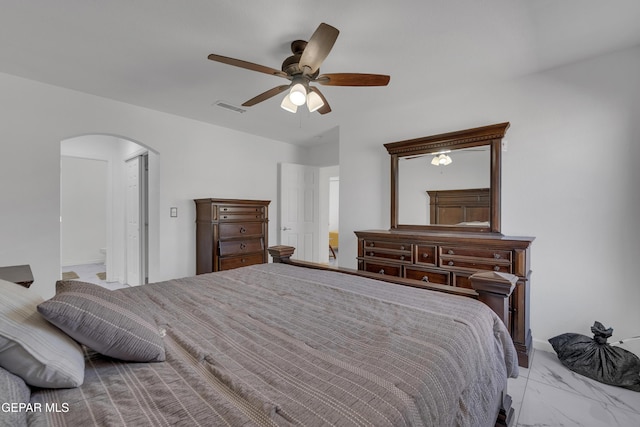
x: 30, y: 347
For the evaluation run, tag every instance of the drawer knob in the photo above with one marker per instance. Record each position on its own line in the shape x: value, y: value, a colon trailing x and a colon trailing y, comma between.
x: 402, y: 248
x: 371, y: 254
x: 496, y: 256
x: 244, y: 260
x: 401, y: 257
x: 371, y: 244
x: 425, y: 278
x: 450, y: 262
x: 496, y: 268
x: 450, y: 252
x: 224, y: 217
x: 381, y: 271
x: 243, y: 230
x: 243, y: 246
x: 425, y: 255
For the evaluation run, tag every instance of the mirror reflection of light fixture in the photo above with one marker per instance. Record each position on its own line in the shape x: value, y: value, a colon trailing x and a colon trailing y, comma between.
x: 441, y: 159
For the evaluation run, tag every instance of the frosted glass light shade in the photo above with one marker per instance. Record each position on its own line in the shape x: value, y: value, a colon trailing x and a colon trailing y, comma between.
x: 442, y: 159
x: 314, y: 101
x: 298, y: 94
x: 288, y: 105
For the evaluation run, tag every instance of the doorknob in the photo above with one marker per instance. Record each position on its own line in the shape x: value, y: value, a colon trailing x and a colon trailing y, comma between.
x: 285, y: 228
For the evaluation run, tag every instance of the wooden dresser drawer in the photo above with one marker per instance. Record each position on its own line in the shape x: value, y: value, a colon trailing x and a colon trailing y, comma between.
x: 426, y: 254
x: 395, y: 256
x: 234, y: 247
x: 376, y: 244
x: 461, y: 280
x: 476, y: 252
x: 240, y: 229
x: 381, y: 268
x: 229, y: 263
x: 471, y: 263
x: 235, y: 213
x: 428, y: 275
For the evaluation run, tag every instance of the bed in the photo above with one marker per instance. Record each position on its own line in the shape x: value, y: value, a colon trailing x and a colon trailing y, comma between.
x: 282, y: 344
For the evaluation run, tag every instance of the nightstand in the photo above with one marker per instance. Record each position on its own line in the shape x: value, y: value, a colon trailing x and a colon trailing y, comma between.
x: 20, y: 274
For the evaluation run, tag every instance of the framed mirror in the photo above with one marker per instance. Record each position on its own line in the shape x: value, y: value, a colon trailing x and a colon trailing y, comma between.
x: 448, y: 182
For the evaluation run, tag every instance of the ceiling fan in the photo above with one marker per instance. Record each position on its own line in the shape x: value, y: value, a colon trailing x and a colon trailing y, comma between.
x: 302, y: 69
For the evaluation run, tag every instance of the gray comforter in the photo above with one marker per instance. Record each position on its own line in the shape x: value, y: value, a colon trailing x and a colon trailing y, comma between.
x: 274, y: 345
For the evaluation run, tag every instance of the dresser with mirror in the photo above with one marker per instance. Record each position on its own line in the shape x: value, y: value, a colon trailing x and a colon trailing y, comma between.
x: 445, y: 220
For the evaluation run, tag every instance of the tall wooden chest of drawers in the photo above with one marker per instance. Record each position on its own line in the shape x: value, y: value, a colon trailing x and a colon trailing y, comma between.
x: 230, y: 233
x: 449, y: 259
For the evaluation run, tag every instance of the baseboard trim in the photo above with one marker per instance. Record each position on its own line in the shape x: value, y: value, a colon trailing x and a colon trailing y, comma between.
x: 68, y: 263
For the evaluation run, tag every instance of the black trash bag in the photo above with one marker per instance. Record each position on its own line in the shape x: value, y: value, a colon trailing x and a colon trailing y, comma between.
x: 594, y: 358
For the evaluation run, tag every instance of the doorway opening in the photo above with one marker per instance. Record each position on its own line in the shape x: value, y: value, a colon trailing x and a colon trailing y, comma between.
x: 308, y: 211
x: 334, y: 223
x: 107, y: 187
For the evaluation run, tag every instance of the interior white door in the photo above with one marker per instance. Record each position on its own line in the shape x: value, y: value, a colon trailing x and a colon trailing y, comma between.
x: 133, y: 229
x: 299, y: 209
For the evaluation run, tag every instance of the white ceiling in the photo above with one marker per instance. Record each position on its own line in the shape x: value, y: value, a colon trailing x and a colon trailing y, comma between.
x: 153, y: 53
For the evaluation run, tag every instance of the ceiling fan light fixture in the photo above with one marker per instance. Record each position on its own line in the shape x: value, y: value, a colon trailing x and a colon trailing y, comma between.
x: 288, y: 105
x: 298, y: 94
x: 302, y: 69
x: 314, y: 102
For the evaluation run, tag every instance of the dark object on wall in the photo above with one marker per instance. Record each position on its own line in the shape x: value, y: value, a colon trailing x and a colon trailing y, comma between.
x: 594, y: 358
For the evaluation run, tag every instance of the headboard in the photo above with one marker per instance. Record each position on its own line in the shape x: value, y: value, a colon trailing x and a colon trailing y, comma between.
x: 459, y: 207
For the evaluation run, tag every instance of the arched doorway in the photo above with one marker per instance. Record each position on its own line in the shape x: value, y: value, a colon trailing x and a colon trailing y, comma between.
x: 129, y: 225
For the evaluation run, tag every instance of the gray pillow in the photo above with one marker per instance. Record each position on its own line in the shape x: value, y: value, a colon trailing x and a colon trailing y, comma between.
x: 106, y: 321
x: 13, y: 391
x: 31, y: 347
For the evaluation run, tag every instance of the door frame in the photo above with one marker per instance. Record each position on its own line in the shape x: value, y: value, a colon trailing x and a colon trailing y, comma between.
x: 143, y: 219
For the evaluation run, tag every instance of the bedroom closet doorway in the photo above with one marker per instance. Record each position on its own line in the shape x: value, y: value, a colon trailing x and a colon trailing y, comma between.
x: 117, y: 245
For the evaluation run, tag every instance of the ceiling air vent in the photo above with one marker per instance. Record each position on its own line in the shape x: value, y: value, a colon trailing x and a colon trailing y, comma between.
x: 228, y: 106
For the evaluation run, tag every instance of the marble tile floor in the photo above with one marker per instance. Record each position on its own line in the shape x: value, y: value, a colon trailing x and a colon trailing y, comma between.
x: 88, y: 273
x: 548, y: 394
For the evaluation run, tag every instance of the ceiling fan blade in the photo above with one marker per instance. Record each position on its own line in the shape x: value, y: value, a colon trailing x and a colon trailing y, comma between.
x: 325, y: 108
x: 265, y: 95
x: 318, y: 47
x: 353, y: 79
x: 247, y: 65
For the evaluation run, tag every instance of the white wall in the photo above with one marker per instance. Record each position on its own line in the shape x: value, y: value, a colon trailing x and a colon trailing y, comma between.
x: 558, y: 182
x: 195, y: 160
x: 334, y: 200
x: 83, y: 210
x: 325, y: 151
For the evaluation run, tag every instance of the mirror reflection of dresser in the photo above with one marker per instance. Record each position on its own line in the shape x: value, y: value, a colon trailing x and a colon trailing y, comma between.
x: 446, y: 220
